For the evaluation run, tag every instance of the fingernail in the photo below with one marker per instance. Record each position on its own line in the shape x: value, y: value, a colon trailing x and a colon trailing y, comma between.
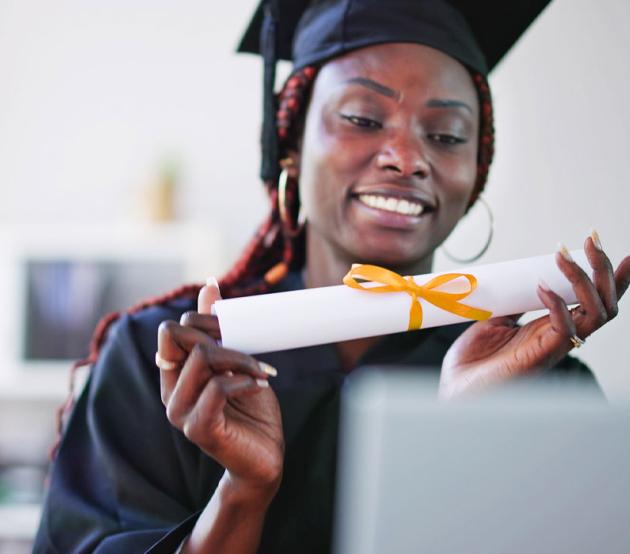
x: 268, y: 369
x: 165, y: 365
x: 212, y: 282
x: 262, y: 383
x: 562, y: 249
x: 596, y: 241
x: 543, y: 285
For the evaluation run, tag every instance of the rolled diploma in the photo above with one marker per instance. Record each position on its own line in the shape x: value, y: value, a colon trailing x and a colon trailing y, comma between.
x: 294, y: 319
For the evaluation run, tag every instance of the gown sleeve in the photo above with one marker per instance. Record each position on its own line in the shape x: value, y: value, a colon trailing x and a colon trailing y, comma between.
x: 124, y: 479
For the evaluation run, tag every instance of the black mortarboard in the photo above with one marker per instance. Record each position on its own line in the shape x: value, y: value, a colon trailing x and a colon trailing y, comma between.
x: 477, y: 33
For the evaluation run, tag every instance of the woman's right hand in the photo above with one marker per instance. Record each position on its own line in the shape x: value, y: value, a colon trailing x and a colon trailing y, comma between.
x: 221, y: 400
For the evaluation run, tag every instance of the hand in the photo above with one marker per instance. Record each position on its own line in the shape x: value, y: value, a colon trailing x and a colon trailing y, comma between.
x: 220, y: 399
x: 493, y: 351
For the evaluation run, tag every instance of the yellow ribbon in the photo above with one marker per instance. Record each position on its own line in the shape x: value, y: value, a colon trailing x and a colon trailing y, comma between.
x: 392, y: 282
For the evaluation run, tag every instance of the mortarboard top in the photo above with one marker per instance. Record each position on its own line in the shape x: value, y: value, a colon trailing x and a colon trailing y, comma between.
x: 478, y: 33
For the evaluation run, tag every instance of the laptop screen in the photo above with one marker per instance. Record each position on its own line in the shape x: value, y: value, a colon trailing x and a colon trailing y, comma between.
x: 528, y: 469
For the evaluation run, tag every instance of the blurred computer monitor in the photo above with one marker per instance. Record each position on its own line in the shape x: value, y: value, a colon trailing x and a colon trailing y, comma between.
x: 528, y: 469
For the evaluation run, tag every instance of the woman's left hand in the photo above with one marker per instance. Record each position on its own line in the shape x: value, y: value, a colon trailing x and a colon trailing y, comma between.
x: 493, y: 351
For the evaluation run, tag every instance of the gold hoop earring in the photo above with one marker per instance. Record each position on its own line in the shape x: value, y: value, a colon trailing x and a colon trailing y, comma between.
x: 292, y: 231
x: 486, y: 245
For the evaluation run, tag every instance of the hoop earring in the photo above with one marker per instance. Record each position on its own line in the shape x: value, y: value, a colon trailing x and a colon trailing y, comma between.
x: 287, y: 225
x: 486, y: 245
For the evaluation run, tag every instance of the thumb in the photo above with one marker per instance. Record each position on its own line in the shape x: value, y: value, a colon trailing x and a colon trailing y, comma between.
x: 208, y: 295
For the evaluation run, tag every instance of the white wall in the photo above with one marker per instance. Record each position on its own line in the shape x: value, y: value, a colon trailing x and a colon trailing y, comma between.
x: 94, y: 95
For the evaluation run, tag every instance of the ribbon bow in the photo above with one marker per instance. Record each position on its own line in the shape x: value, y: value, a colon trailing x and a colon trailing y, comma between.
x: 392, y: 282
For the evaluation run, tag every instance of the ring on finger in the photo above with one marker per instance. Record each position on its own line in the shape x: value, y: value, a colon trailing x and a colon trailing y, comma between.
x: 576, y: 341
x: 163, y: 364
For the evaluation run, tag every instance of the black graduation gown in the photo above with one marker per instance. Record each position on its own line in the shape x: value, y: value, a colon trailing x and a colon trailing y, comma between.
x: 126, y: 481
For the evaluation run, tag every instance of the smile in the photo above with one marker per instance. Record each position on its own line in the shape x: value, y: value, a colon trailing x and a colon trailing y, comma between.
x: 392, y: 204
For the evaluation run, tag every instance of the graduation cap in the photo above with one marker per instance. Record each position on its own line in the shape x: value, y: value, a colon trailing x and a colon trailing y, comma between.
x: 477, y: 33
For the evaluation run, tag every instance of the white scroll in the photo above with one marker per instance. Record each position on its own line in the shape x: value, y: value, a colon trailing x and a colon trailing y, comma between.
x: 285, y: 320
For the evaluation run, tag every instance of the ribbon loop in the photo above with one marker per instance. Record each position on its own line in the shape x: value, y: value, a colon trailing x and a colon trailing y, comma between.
x: 390, y: 281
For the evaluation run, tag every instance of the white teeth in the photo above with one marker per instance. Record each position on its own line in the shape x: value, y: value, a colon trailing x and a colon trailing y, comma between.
x: 392, y: 204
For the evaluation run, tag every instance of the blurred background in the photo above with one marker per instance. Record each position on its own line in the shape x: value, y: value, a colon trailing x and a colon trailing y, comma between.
x: 129, y: 161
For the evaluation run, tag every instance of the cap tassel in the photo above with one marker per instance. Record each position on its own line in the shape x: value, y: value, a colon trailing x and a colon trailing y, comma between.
x: 268, y: 47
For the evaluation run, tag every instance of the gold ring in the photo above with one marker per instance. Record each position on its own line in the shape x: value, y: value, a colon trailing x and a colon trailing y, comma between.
x: 163, y: 364
x: 576, y: 341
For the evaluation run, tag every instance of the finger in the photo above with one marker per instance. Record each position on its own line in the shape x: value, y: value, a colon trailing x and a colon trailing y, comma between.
x: 169, y: 348
x: 240, y: 385
x: 591, y: 313
x: 221, y: 388
x: 166, y: 365
x: 222, y: 360
x: 174, y: 344
x: 175, y: 341
x: 207, y: 323
x: 509, y: 320
x: 169, y: 351
x: 622, y: 277
x: 205, y: 423
x: 181, y: 398
x: 559, y: 316
x: 208, y: 295
x: 168, y: 381
x: 603, y: 275
x: 203, y: 364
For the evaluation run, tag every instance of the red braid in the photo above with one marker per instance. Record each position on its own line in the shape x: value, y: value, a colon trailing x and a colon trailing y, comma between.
x: 486, y: 135
x: 273, y: 251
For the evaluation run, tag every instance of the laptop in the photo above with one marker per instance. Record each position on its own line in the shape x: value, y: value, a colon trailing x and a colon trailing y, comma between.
x: 526, y: 469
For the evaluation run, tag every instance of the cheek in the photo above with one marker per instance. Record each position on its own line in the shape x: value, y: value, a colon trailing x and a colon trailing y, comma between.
x: 317, y: 178
x: 331, y: 162
x: 457, y: 178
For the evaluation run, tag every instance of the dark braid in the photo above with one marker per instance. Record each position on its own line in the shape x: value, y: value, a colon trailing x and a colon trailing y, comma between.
x: 273, y: 251
x: 486, y: 135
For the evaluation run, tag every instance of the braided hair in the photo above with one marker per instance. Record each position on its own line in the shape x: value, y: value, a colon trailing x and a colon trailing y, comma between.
x: 275, y: 248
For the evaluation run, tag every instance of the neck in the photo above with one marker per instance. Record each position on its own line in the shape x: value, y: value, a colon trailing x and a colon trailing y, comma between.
x: 327, y: 265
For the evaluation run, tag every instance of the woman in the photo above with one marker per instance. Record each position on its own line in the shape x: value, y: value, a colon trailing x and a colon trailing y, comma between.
x: 387, y: 132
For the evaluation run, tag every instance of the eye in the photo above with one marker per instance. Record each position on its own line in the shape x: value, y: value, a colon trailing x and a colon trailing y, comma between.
x: 448, y: 140
x: 363, y: 122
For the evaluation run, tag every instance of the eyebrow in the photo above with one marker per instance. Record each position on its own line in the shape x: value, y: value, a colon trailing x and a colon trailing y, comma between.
x: 391, y: 93
x: 376, y: 87
x: 447, y: 103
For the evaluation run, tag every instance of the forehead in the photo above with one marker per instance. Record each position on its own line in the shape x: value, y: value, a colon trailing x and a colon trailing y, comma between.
x: 405, y: 67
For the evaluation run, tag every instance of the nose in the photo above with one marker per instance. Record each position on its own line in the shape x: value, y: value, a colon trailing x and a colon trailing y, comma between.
x: 403, y: 153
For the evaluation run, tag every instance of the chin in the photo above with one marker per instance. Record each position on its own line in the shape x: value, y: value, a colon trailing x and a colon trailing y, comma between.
x: 391, y: 254
x: 379, y: 244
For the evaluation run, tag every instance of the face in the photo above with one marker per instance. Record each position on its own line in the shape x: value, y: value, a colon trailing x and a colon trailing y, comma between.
x: 388, y: 156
